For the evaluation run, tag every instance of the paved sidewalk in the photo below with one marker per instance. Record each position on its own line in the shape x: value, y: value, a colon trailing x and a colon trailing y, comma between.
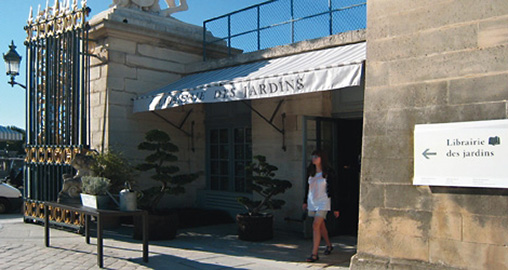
x: 211, y: 247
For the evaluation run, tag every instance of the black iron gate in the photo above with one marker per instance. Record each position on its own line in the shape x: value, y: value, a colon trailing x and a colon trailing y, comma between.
x: 57, y: 102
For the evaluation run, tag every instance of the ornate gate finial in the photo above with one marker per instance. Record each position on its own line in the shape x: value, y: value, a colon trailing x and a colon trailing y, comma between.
x: 30, y: 16
x: 56, y: 19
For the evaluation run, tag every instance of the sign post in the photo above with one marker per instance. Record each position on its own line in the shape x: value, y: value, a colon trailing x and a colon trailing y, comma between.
x: 466, y: 154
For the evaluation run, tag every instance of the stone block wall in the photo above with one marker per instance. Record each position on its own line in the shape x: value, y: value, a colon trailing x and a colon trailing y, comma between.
x: 268, y: 141
x: 138, y: 52
x: 432, y: 61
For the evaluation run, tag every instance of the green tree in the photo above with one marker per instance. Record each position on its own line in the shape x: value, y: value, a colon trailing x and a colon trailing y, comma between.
x: 159, y: 160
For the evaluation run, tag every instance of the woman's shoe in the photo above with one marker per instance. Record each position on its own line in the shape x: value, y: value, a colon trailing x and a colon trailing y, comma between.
x: 313, y: 258
x: 328, y: 250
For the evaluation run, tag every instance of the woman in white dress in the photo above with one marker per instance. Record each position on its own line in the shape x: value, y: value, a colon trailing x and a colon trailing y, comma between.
x: 320, y: 198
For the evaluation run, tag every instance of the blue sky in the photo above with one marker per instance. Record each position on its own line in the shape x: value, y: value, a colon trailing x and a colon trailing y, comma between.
x: 13, y: 17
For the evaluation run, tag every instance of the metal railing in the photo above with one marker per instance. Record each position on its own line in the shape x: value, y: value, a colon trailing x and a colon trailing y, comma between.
x: 58, y: 98
x: 280, y: 22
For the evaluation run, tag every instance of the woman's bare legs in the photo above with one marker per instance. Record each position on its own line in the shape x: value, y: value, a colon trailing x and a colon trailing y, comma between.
x: 324, y: 234
x: 317, y: 225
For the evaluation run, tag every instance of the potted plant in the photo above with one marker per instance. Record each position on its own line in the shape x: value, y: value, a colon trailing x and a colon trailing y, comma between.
x: 163, y: 224
x: 257, y: 225
x: 94, y: 192
x: 113, y: 166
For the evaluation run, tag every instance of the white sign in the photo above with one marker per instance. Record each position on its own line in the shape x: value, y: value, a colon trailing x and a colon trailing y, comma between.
x: 467, y: 154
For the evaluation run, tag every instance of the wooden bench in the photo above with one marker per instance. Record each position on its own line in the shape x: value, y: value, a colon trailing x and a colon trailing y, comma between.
x: 100, y: 215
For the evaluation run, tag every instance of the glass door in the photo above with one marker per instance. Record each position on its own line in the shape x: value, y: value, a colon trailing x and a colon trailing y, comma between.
x: 341, y: 139
x: 320, y: 133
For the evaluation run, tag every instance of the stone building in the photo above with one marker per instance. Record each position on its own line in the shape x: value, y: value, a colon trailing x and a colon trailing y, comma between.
x: 432, y: 61
x: 139, y: 53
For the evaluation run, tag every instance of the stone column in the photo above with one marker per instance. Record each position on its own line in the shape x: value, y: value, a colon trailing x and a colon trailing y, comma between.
x: 138, y: 52
x: 431, y: 61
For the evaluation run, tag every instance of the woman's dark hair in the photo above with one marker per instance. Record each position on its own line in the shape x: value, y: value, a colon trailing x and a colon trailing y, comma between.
x: 325, y: 165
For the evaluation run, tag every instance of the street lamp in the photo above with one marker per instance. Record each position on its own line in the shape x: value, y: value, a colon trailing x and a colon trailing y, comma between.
x: 12, y: 60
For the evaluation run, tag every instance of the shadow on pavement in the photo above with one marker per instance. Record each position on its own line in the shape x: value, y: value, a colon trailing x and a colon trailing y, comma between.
x: 222, y: 239
x: 159, y: 261
x: 218, y: 240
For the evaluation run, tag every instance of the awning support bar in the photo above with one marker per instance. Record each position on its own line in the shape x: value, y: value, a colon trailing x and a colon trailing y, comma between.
x: 179, y: 127
x: 276, y: 110
x: 185, y: 119
x: 270, y: 121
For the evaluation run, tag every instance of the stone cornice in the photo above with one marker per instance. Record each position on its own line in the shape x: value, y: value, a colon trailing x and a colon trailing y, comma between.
x: 144, y: 27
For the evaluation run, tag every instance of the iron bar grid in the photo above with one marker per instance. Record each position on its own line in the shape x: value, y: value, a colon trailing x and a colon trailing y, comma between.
x: 280, y: 22
x: 57, y: 99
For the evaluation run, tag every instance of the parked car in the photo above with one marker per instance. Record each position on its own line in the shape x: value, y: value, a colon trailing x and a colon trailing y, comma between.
x: 10, y: 198
x: 11, y: 171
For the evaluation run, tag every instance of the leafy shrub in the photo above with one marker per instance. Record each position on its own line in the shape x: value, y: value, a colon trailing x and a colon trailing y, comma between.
x: 262, y: 181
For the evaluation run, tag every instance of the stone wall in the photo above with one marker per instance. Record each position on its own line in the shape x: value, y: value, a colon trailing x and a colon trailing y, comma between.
x: 432, y: 61
x: 268, y: 141
x: 138, y: 52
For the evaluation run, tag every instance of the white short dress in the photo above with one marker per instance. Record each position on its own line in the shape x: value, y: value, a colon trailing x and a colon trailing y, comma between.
x: 318, y: 199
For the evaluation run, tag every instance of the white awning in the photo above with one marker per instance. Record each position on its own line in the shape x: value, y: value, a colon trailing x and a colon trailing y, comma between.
x: 314, y: 71
x: 7, y: 134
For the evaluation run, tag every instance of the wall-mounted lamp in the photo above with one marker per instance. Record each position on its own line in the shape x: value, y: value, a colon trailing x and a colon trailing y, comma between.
x: 12, y: 60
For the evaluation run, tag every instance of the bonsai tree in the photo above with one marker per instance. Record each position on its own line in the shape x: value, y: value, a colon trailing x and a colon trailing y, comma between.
x: 114, y: 166
x: 162, y: 154
x: 261, y: 174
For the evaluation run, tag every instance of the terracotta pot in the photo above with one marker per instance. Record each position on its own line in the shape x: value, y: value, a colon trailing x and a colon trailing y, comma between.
x: 255, y: 228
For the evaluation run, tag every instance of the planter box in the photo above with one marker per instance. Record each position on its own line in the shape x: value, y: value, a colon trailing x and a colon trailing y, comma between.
x: 94, y: 201
x: 255, y: 228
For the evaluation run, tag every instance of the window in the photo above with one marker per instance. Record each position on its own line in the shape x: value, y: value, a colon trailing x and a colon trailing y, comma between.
x: 230, y: 151
x: 229, y: 146
x: 242, y: 157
